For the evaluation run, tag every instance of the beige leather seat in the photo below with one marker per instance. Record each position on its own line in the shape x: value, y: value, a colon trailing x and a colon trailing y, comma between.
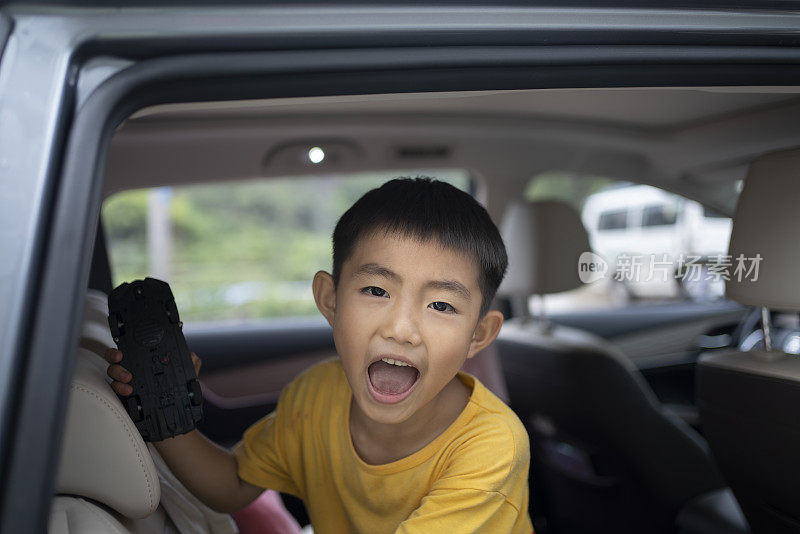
x: 106, y: 477
x: 606, y: 456
x: 749, y: 401
x: 107, y: 480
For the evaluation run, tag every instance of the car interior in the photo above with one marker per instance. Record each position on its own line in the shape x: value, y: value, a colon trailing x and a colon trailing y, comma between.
x: 645, y: 414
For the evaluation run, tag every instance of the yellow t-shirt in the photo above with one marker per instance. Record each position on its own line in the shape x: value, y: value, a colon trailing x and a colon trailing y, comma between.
x: 471, y: 478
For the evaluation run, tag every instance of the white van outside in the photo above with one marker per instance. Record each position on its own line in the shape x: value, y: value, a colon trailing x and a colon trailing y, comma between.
x: 644, y: 222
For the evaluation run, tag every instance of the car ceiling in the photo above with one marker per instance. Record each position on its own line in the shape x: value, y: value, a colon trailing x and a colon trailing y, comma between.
x: 696, y: 142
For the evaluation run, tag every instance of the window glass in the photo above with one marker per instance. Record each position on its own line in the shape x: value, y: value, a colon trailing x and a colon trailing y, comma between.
x: 237, y: 250
x: 656, y: 246
x: 613, y: 220
x: 659, y: 215
x: 568, y: 187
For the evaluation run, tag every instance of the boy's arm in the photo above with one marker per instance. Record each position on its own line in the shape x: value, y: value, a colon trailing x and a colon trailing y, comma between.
x: 208, y: 471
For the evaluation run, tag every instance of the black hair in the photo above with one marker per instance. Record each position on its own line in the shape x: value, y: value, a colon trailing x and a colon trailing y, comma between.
x: 423, y: 208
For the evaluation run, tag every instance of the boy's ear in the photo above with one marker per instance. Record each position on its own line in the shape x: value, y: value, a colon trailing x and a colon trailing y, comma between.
x: 325, y: 295
x: 486, y: 331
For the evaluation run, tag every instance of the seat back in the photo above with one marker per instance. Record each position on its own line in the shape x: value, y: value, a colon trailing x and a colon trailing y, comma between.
x: 109, y: 480
x: 96, y: 420
x: 606, y: 457
x: 105, y: 473
x: 748, y: 400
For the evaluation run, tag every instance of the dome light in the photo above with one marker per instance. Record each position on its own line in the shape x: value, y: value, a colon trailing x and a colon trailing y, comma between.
x: 316, y: 155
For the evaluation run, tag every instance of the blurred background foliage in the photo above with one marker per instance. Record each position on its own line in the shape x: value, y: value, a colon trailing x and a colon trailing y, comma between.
x: 568, y: 187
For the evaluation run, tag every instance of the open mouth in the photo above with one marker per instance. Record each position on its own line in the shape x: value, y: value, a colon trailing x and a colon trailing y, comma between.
x: 391, y: 380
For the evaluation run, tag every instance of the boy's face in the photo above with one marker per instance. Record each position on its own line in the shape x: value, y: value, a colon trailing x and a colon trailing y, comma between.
x: 403, y: 301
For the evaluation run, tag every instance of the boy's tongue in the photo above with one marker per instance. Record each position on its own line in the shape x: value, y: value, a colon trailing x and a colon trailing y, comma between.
x: 391, y: 379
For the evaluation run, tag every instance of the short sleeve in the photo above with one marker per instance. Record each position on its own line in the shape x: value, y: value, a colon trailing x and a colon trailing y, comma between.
x: 483, y: 490
x: 465, y: 510
x: 267, y: 455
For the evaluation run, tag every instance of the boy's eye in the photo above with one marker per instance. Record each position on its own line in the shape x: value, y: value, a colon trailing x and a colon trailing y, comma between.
x: 442, y: 307
x: 374, y: 291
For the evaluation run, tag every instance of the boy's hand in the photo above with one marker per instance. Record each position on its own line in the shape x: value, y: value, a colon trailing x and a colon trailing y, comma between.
x: 122, y: 376
x: 217, y: 484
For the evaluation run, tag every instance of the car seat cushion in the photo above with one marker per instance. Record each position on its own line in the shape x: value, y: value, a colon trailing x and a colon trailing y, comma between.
x: 69, y: 515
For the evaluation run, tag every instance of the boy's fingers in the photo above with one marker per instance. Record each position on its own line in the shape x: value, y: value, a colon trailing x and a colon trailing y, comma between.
x: 197, y: 363
x: 119, y: 373
x: 112, y: 355
x: 121, y: 389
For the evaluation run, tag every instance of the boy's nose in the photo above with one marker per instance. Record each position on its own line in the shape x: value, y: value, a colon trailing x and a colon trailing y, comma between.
x: 401, y: 326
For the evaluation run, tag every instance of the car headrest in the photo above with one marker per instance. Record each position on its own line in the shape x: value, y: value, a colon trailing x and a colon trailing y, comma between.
x: 544, y: 240
x: 766, y: 224
x: 103, y: 456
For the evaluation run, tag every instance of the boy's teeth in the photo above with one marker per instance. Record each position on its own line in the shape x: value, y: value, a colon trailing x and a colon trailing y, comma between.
x: 395, y: 362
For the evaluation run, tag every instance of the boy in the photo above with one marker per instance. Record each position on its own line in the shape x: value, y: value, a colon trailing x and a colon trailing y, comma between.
x: 389, y: 437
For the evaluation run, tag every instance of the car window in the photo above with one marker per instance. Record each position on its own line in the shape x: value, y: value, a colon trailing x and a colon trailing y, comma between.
x: 659, y: 215
x: 237, y: 250
x: 613, y: 220
x: 657, y: 246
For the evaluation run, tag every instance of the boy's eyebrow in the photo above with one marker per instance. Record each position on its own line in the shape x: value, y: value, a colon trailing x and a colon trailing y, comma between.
x: 373, y: 269
x: 454, y: 286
